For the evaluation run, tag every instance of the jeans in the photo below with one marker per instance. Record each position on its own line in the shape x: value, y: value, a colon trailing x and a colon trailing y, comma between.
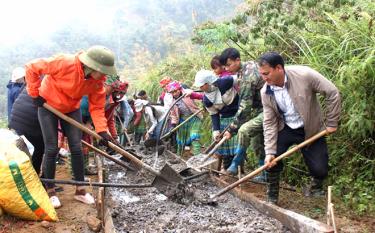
x: 49, y: 124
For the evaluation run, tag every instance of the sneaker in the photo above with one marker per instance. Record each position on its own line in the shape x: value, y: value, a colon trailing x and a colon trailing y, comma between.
x: 87, y: 198
x: 55, y: 202
x: 64, y: 153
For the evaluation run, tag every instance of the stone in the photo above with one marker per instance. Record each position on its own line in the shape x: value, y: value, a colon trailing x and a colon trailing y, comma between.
x: 45, y: 224
x: 93, y: 223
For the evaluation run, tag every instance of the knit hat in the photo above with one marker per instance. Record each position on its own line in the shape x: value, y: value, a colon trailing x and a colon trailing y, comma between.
x: 204, y: 76
x: 173, y: 86
x: 119, y: 86
x: 165, y: 81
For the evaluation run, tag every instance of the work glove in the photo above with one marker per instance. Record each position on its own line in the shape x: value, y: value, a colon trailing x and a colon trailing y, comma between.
x: 105, y: 139
x: 39, y: 101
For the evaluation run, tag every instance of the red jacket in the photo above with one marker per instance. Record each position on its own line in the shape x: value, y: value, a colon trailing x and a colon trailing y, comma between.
x: 64, y: 84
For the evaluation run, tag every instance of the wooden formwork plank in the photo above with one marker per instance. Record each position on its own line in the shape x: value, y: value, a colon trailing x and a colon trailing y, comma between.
x: 100, y: 200
x: 108, y: 222
x: 292, y: 220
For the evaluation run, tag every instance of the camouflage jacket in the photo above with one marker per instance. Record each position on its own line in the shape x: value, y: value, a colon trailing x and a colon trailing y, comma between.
x: 250, y: 83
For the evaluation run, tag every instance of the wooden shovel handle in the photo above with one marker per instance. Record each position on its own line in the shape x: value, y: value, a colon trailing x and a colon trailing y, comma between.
x: 97, y: 136
x: 264, y: 167
x: 181, y: 124
x: 212, y: 145
x: 214, y: 149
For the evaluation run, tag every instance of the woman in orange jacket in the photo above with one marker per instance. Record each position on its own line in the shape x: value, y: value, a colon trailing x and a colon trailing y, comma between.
x: 61, y: 82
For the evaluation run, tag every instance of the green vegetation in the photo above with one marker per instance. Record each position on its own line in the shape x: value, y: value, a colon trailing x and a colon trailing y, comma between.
x: 337, y: 38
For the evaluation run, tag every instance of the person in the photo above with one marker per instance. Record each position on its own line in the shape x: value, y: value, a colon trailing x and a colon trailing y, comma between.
x: 249, y: 117
x: 189, y: 133
x: 218, y: 68
x: 142, y: 94
x: 165, y: 98
x: 115, y: 91
x: 15, y: 86
x: 221, y: 100
x: 292, y: 114
x: 24, y: 120
x: 153, y: 116
x: 66, y: 79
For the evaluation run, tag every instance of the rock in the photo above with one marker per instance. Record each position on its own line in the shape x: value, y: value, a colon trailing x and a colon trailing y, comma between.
x: 45, y: 224
x: 93, y: 223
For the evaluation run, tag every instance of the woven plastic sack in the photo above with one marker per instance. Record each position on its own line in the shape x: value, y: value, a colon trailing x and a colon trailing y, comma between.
x: 21, y: 192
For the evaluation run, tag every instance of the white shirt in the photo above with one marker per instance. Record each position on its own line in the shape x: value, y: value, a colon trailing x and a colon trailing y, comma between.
x: 292, y: 118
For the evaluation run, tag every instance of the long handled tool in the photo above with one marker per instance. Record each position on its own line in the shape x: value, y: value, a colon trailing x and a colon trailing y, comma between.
x: 98, y: 184
x: 117, y: 161
x: 202, y: 158
x: 209, y: 148
x: 280, y: 157
x: 181, y: 124
x: 123, y: 131
x: 165, y: 178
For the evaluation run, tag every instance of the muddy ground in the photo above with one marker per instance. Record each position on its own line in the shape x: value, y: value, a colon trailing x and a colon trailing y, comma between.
x: 147, y: 210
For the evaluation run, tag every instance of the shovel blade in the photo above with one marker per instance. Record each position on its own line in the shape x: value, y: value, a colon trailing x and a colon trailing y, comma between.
x: 167, y: 181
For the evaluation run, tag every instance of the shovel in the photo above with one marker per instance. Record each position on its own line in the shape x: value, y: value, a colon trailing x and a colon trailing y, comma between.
x: 181, y: 124
x: 165, y: 178
x: 191, y: 162
x: 264, y: 167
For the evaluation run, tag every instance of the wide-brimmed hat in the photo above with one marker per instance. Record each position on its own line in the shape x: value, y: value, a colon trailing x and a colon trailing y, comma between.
x: 99, y: 58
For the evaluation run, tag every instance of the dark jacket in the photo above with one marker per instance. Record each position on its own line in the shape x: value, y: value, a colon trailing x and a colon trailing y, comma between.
x: 24, y: 116
x: 14, y: 90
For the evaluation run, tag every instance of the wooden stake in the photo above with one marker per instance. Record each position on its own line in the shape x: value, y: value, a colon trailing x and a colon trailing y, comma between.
x: 239, y: 175
x: 329, y: 200
x: 333, y: 218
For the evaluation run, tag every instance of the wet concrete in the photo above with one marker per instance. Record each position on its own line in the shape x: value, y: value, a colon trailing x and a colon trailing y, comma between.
x: 147, y: 210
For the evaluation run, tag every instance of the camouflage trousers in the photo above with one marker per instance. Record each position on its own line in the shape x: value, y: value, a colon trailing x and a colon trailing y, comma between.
x: 250, y: 135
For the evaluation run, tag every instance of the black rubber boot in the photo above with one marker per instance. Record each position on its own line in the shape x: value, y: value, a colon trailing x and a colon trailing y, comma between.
x: 315, y: 188
x: 273, y: 179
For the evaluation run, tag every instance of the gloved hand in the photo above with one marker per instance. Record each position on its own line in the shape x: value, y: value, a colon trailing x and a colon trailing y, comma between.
x: 105, y: 139
x: 216, y: 135
x: 233, y: 129
x: 39, y: 101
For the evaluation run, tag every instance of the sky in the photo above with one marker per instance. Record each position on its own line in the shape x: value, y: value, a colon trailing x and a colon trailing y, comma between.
x: 38, y: 19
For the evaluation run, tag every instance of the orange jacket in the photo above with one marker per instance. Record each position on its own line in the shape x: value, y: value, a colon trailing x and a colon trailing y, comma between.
x: 64, y: 85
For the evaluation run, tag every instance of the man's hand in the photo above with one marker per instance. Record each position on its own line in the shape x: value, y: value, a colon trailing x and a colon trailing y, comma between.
x: 216, y: 135
x: 227, y: 135
x: 147, y: 135
x: 331, y: 129
x: 268, y: 161
x: 105, y: 138
x: 39, y: 101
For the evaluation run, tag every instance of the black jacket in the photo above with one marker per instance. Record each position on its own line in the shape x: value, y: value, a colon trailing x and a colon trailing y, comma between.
x: 24, y: 116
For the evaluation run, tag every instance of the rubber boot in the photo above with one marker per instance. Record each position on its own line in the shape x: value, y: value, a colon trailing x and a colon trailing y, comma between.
x: 237, y: 161
x: 273, y: 179
x: 315, y: 188
x: 227, y: 161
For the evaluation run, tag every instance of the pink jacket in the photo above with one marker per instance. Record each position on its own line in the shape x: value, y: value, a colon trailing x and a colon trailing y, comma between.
x: 189, y: 101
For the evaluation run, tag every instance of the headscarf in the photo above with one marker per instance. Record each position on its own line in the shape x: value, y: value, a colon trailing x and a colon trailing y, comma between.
x: 173, y: 86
